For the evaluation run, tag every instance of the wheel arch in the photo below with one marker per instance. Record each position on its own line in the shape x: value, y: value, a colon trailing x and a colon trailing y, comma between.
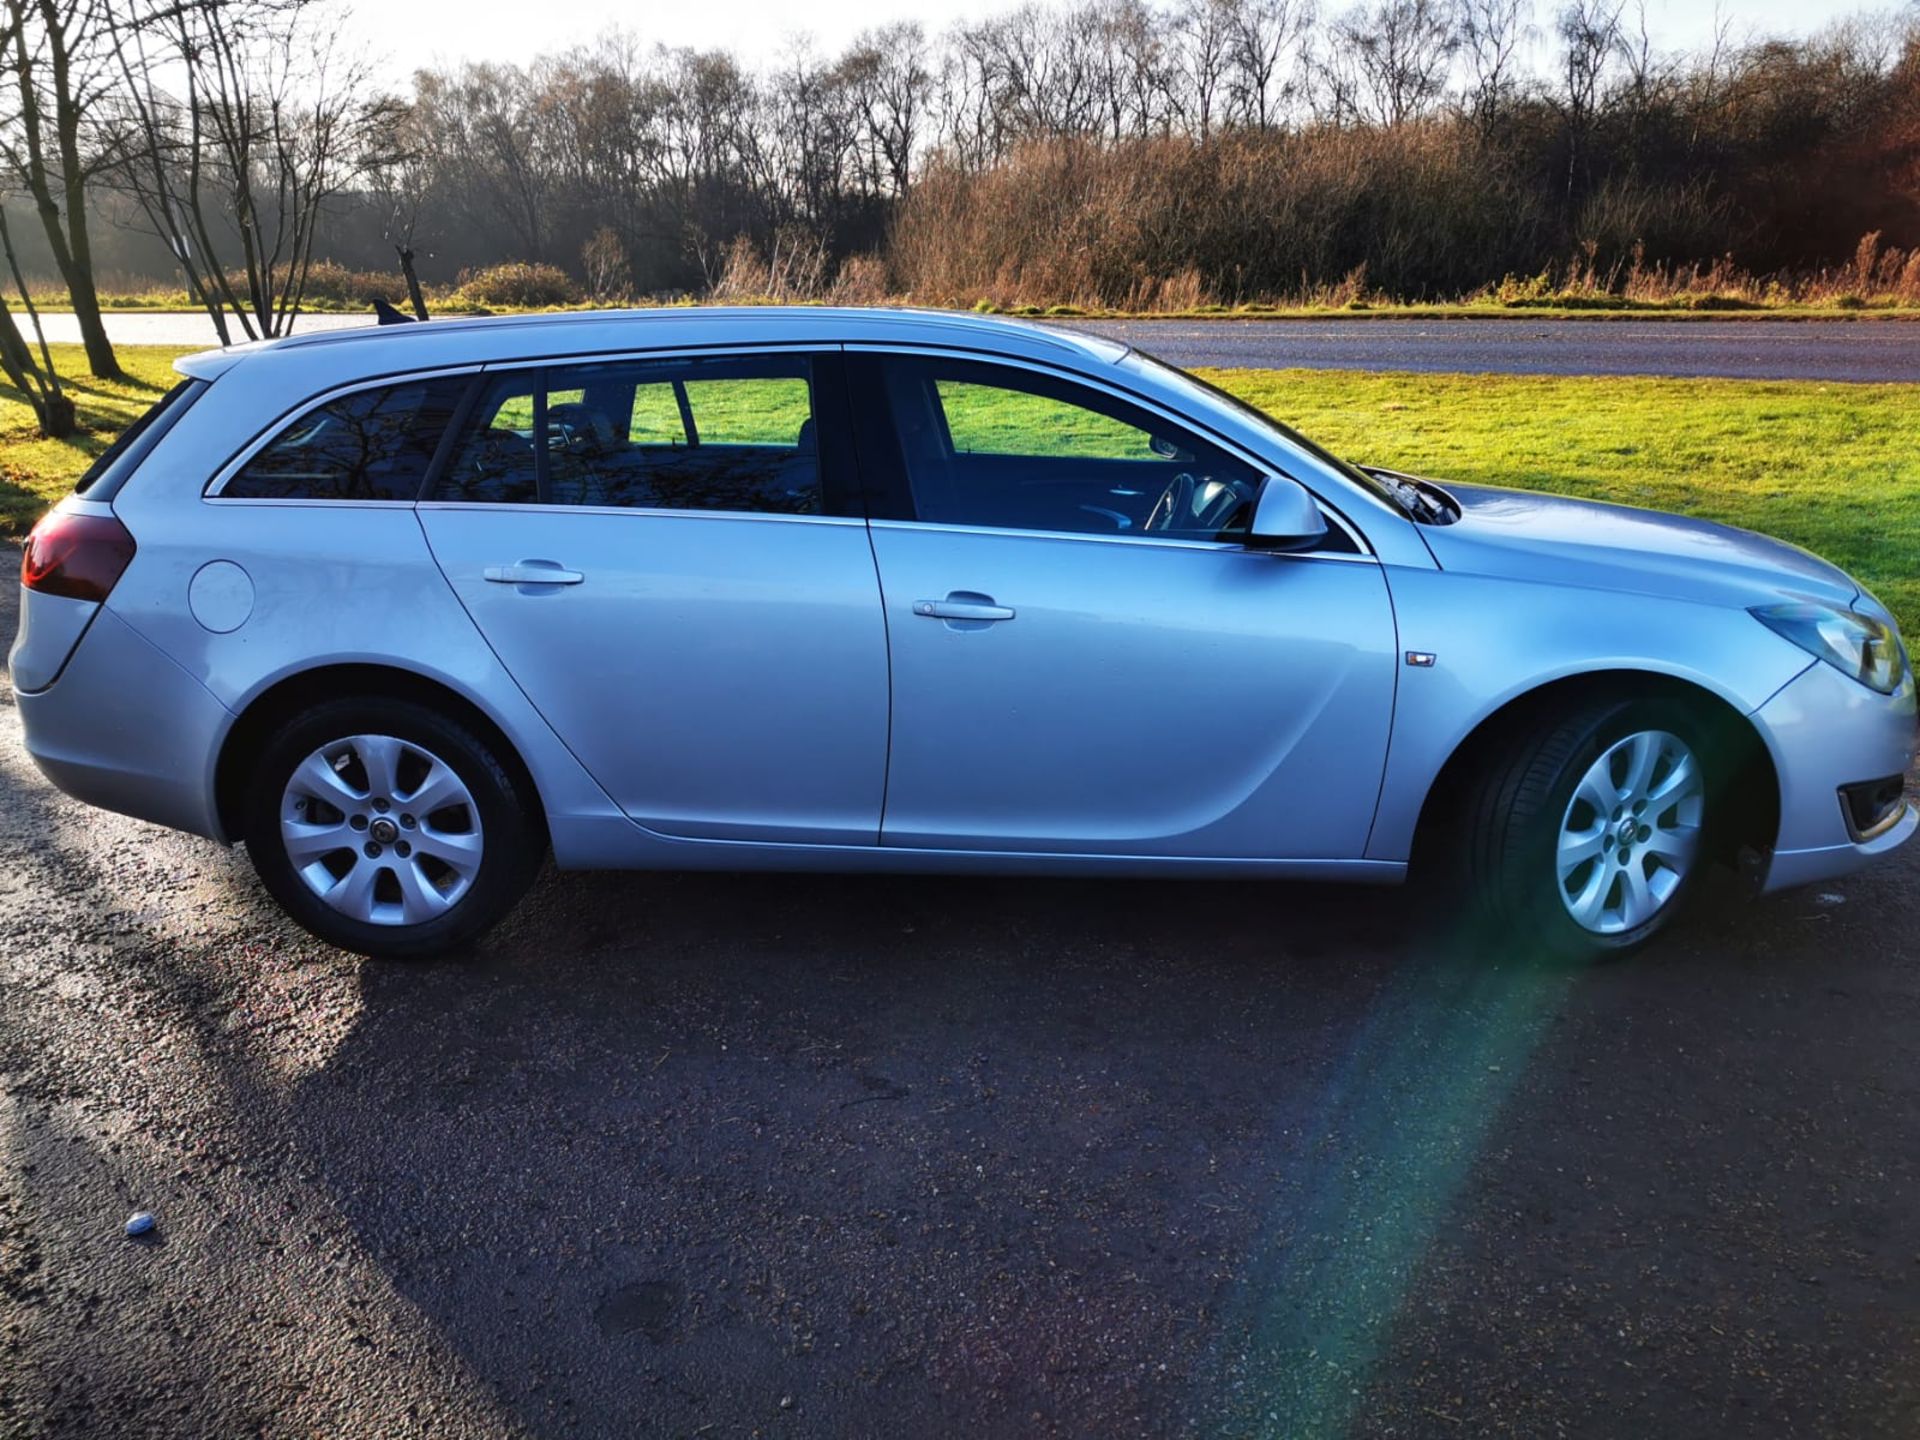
x: 286, y: 697
x: 1755, y: 794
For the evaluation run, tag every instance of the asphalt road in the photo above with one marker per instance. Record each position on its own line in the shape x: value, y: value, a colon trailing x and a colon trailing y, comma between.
x: 1750, y: 349
x: 735, y: 1156
x: 1740, y: 349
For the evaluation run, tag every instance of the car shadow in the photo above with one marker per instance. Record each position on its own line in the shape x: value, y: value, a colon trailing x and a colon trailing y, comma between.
x: 904, y: 1155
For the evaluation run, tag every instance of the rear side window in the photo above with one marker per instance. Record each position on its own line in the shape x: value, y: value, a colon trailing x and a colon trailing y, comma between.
x: 112, y: 465
x: 370, y: 445
x: 729, y: 433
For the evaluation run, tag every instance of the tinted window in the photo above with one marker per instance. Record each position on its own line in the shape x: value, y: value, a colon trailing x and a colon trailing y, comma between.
x: 494, y: 459
x: 711, y: 434
x: 1013, y: 449
x: 113, y: 464
x: 370, y: 445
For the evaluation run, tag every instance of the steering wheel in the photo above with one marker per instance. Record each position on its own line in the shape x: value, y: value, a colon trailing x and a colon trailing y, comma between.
x: 572, y: 426
x: 1207, y: 506
x: 496, y: 451
x: 1175, y: 501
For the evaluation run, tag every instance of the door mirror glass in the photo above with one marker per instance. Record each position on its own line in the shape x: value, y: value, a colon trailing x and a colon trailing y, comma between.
x: 1286, y: 517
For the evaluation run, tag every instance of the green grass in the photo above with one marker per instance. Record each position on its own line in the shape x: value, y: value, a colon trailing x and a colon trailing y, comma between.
x: 35, y: 472
x: 1830, y: 467
x: 1833, y: 468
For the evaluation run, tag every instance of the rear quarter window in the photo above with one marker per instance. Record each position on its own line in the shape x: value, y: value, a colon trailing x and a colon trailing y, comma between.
x: 372, y: 444
x: 111, y: 467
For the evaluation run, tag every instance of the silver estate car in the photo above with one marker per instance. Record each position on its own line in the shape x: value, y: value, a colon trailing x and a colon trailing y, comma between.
x: 404, y: 609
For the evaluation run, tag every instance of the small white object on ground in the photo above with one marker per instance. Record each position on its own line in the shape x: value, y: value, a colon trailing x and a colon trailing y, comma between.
x: 140, y: 1222
x: 1829, y: 898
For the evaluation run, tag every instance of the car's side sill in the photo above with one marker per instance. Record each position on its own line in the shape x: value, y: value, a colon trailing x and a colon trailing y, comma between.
x: 590, y: 842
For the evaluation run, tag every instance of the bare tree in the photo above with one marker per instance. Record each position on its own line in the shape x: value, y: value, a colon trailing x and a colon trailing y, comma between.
x: 1202, y: 42
x: 1134, y: 69
x: 887, y: 73
x: 271, y: 126
x: 1261, y: 35
x: 1398, y: 52
x: 1589, y: 32
x: 400, y: 177
x: 60, y: 54
x: 38, y: 381
x: 812, y: 141
x: 1492, y: 33
x: 484, y: 126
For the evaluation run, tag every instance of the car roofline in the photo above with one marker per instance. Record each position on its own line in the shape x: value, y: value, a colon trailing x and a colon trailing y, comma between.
x: 828, y: 324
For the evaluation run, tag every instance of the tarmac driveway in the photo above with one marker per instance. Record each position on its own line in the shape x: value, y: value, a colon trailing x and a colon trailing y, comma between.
x: 729, y: 1156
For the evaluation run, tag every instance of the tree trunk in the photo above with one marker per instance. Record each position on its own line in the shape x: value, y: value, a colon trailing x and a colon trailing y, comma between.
x: 93, y: 326
x: 53, y: 412
x: 413, y: 282
x: 15, y: 358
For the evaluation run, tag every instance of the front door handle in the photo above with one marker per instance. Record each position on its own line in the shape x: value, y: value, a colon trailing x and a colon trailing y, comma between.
x: 532, y: 572
x: 958, y: 607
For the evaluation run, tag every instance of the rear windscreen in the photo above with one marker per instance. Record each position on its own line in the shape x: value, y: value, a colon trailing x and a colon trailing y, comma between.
x: 112, y: 465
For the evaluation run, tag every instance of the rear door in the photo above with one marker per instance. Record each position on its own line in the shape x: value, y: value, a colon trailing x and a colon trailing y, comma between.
x: 669, y: 556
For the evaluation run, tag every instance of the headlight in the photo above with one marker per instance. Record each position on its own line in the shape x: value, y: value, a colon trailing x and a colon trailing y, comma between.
x: 1858, y: 646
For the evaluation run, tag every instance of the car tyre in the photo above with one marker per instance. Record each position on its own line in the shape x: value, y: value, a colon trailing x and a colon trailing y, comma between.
x: 332, y: 831
x: 1589, y: 831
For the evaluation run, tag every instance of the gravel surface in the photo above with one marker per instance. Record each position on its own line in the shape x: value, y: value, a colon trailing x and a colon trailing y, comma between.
x: 1741, y: 349
x: 802, y: 1156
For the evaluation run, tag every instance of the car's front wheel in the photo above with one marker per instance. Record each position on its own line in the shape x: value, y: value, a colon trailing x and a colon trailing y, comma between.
x: 1590, y: 830
x: 389, y: 829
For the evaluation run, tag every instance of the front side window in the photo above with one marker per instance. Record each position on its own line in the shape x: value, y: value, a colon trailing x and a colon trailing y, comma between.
x: 370, y: 445
x: 1006, y: 448
x: 729, y: 434
x: 993, y: 420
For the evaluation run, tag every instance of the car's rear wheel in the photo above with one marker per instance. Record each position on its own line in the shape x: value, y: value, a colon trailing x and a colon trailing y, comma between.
x: 389, y: 829
x: 1591, y: 828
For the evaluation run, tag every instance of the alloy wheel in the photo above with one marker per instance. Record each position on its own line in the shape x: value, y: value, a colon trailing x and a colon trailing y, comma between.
x: 381, y: 829
x: 1631, y: 832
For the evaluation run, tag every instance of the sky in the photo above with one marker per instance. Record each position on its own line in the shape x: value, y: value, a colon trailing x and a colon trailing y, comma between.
x: 402, y: 38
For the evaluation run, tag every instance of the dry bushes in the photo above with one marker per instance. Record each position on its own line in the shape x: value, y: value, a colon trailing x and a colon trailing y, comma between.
x: 1168, y: 224
x: 1878, y: 277
x: 331, y: 284
x: 517, y: 283
x: 603, y: 260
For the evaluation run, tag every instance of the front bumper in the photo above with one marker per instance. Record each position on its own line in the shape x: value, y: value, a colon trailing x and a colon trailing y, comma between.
x: 125, y: 728
x: 1826, y: 731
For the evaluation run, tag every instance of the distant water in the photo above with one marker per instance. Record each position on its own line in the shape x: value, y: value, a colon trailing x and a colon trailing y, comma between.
x: 142, y: 328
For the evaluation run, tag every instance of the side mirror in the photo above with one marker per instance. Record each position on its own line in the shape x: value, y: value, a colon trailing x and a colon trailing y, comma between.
x: 1285, y: 517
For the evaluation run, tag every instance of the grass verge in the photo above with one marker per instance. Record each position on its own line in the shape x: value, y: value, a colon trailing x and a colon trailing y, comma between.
x: 36, y: 472
x: 1830, y: 467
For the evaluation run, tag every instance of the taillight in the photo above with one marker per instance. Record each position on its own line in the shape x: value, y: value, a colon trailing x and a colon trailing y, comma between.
x: 76, y: 555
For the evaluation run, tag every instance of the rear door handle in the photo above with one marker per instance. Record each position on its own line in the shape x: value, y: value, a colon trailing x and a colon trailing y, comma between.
x: 954, y: 608
x: 532, y: 572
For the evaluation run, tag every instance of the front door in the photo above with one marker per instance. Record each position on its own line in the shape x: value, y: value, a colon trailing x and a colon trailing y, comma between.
x: 1087, y: 659
x: 668, y: 557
